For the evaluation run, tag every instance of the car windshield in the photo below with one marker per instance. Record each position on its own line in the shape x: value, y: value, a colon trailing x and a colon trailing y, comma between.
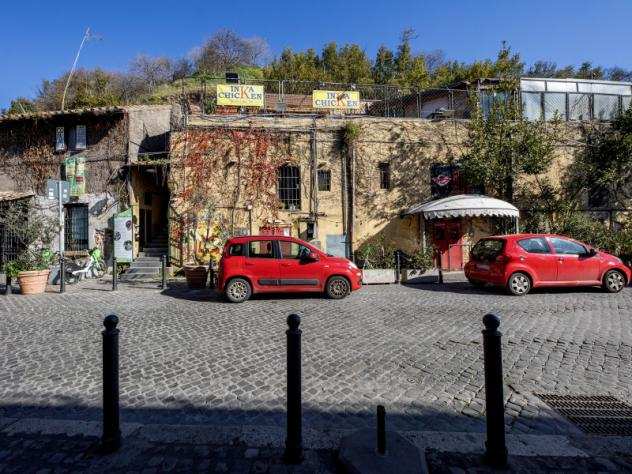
x: 487, y: 249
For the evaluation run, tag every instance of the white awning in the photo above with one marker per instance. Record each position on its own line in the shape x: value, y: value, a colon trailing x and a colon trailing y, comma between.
x: 464, y: 205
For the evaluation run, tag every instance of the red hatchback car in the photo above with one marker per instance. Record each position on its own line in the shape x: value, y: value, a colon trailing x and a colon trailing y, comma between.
x: 523, y: 261
x: 271, y: 263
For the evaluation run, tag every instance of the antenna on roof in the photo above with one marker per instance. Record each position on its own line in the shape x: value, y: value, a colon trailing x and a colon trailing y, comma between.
x: 88, y: 35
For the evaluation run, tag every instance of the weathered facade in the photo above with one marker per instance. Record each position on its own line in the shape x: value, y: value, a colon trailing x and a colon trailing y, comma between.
x: 104, y: 141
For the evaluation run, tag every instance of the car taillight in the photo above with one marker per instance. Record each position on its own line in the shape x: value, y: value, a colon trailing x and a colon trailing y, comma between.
x: 502, y: 259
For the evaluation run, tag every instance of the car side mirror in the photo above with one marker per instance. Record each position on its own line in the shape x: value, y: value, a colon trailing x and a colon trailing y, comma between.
x: 312, y: 256
x: 592, y: 252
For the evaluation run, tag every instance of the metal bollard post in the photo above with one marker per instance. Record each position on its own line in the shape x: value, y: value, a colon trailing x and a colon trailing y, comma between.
x: 62, y: 275
x: 496, y: 449
x: 440, y: 276
x: 398, y: 266
x: 381, y: 430
x: 114, y: 275
x: 111, y: 439
x: 163, y: 262
x: 294, y: 441
x: 8, y: 290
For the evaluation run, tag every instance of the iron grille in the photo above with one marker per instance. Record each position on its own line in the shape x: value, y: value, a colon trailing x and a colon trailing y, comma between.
x: 289, y: 187
x: 385, y: 175
x: 9, y: 246
x: 76, y: 227
x: 593, y: 414
x: 324, y: 180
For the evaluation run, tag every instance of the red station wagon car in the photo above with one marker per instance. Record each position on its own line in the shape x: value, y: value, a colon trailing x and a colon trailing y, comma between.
x: 523, y: 261
x: 272, y: 263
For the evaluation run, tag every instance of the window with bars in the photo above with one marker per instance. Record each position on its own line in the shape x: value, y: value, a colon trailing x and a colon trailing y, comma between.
x: 289, y: 187
x: 385, y: 175
x: 76, y: 227
x: 324, y: 180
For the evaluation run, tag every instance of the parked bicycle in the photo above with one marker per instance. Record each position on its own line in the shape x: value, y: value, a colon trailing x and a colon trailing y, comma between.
x: 94, y: 266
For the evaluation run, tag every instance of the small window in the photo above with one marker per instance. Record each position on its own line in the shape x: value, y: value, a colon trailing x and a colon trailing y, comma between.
x: 324, y: 180
x: 289, y: 187
x: 534, y: 245
x: 568, y: 247
x: 236, y: 250
x: 60, y: 139
x: 293, y: 250
x: 261, y: 249
x: 80, y: 137
x: 385, y: 175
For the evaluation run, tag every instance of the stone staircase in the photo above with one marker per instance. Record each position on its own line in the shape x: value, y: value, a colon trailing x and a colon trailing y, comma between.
x: 147, y: 266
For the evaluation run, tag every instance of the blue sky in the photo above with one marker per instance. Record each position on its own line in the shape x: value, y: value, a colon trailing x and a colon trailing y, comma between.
x: 38, y: 39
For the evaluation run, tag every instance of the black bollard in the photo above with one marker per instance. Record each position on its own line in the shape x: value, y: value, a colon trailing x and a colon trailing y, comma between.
x: 398, y: 266
x: 7, y: 287
x: 294, y: 440
x: 381, y: 430
x: 111, y: 439
x: 163, y: 264
x: 440, y: 276
x: 114, y: 275
x: 62, y: 275
x: 496, y: 449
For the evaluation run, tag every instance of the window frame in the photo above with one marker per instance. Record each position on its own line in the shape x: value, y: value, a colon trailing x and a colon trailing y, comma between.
x: 384, y: 170
x: 288, y: 202
x: 327, y: 182
x: 76, y: 245
x: 552, y: 239
x: 282, y: 255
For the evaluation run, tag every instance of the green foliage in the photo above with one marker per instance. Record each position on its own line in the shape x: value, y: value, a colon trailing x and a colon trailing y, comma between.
x: 421, y: 259
x: 376, y: 253
x: 33, y: 232
x: 20, y: 105
x: 503, y: 145
x: 350, y: 134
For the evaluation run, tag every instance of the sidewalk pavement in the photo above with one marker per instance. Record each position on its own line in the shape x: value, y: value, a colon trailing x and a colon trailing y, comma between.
x: 48, y: 445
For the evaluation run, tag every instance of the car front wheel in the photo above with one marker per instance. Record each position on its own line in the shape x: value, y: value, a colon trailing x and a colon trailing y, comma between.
x: 238, y: 290
x: 519, y: 284
x: 337, y: 288
x: 613, y: 281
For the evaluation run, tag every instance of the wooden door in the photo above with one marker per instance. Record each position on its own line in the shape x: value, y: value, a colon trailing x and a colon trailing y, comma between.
x: 448, y: 240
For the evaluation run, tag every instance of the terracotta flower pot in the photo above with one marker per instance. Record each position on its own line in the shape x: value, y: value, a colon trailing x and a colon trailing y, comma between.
x: 196, y: 275
x: 33, y: 282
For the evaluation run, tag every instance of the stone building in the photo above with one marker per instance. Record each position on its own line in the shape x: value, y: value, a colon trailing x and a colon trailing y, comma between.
x: 101, y: 152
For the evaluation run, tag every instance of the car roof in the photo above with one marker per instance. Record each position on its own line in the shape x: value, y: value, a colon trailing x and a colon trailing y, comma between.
x: 524, y: 236
x: 248, y: 238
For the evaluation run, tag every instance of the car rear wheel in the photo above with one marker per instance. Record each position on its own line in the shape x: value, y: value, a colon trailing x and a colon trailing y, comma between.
x: 519, y: 284
x: 337, y: 288
x: 238, y: 290
x: 613, y: 281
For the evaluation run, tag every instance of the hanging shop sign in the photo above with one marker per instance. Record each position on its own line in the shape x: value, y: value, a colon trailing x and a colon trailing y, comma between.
x: 242, y: 95
x: 75, y: 167
x: 123, y: 233
x: 335, y: 99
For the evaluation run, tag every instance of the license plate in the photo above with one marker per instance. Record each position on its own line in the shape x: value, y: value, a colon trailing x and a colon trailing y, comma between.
x: 482, y: 266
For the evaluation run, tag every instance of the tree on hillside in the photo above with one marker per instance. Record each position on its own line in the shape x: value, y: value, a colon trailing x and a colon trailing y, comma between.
x: 20, y: 105
x: 225, y: 50
x: 383, y: 70
x: 152, y: 71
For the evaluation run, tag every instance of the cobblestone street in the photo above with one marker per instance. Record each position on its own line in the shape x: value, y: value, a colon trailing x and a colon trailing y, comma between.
x: 187, y: 358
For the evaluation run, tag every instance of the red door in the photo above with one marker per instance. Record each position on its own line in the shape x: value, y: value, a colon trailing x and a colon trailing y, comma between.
x: 299, y: 273
x: 574, y: 263
x: 262, y: 265
x: 448, y: 239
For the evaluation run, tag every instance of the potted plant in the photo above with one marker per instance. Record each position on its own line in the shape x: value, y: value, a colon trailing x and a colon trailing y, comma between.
x: 33, y: 233
x: 415, y: 265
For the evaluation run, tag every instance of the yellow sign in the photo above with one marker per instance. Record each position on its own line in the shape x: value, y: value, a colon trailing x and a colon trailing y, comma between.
x: 336, y: 99
x: 243, y: 95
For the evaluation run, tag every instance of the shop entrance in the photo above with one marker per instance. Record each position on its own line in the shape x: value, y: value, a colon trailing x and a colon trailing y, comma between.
x: 447, y: 237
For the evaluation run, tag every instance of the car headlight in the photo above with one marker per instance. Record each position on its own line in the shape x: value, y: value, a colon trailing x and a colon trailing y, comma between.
x: 353, y: 266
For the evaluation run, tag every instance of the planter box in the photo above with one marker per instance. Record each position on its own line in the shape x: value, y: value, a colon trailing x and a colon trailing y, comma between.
x: 419, y: 276
x: 375, y: 276
x: 33, y: 282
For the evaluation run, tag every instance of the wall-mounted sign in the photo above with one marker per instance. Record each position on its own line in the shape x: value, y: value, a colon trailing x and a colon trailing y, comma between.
x: 242, y: 95
x: 75, y: 167
x: 52, y: 189
x: 123, y: 236
x: 60, y: 141
x: 335, y: 99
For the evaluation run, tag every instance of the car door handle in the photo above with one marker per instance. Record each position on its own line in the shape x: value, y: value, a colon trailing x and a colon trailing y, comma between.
x: 249, y: 264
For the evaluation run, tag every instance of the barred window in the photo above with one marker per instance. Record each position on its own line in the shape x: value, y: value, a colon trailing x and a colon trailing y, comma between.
x: 324, y: 180
x: 289, y: 187
x: 77, y: 227
x: 385, y: 175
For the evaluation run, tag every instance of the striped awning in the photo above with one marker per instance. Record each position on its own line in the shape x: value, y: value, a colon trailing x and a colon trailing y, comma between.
x: 464, y: 205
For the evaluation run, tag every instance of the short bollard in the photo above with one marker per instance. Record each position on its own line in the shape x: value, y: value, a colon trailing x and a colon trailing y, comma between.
x: 294, y: 440
x: 111, y: 439
x: 398, y: 266
x: 163, y: 262
x: 62, y: 275
x: 496, y: 449
x: 440, y: 276
x: 8, y: 290
x: 381, y: 430
x: 114, y: 275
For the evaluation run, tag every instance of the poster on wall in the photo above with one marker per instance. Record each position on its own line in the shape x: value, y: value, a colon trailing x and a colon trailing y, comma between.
x: 75, y: 167
x: 123, y: 237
